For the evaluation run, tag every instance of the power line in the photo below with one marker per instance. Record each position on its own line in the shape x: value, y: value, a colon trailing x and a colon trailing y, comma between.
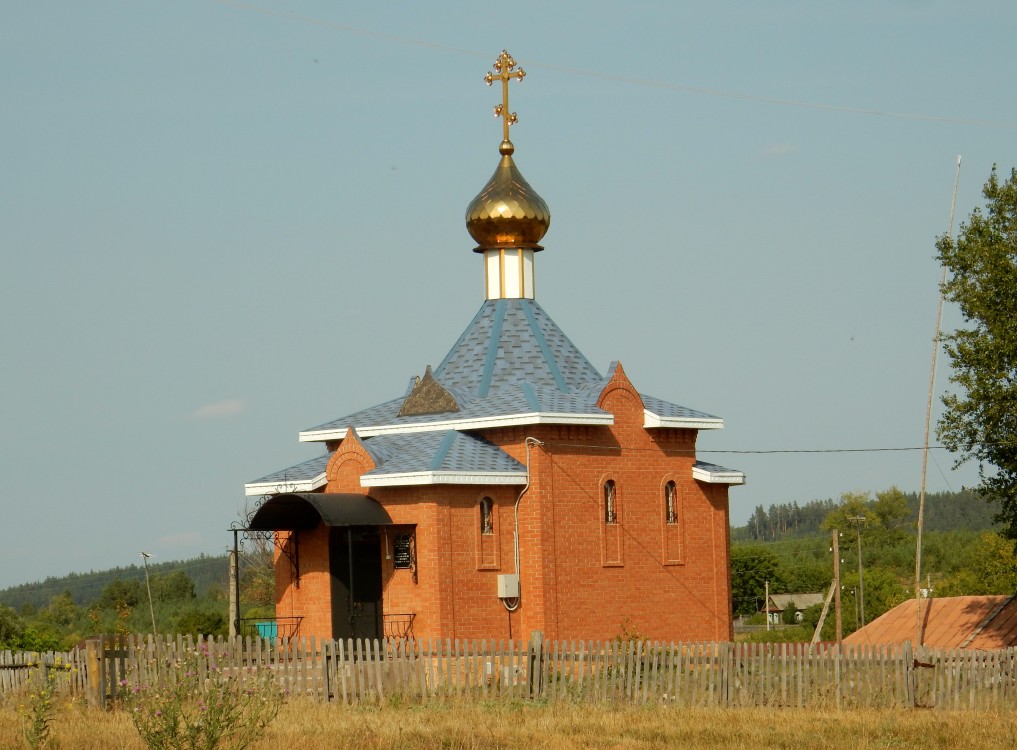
x: 826, y: 450
x: 630, y: 80
x: 763, y: 451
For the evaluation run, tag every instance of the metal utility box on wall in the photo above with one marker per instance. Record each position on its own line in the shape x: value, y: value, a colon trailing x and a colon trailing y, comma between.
x: 508, y: 586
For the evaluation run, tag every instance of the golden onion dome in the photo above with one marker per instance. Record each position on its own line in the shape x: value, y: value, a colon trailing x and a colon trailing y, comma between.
x: 507, y: 212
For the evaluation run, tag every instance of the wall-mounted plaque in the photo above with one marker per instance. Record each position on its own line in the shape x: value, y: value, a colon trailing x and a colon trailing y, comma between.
x: 402, y: 552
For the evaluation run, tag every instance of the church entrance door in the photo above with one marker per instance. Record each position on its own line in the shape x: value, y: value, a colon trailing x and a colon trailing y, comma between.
x: 355, y: 568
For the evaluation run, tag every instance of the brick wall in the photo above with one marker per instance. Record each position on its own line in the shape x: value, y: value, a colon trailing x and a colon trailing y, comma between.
x: 580, y: 576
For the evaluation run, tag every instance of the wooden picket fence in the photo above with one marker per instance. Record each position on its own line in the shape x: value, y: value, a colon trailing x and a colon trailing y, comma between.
x: 417, y: 671
x: 21, y: 670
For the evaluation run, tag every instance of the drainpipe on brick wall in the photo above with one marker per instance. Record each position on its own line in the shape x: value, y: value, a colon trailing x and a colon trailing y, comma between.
x: 515, y: 534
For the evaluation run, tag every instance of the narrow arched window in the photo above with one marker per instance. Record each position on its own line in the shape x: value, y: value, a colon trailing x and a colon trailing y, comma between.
x: 486, y: 516
x: 670, y: 503
x: 610, y: 502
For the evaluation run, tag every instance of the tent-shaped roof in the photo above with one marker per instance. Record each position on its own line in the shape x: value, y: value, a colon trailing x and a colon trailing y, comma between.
x: 511, y: 366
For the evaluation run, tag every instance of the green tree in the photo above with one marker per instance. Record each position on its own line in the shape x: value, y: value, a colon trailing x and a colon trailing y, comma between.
x: 980, y: 419
x: 199, y: 620
x: 11, y: 628
x: 885, y: 517
x: 991, y: 568
x: 118, y: 593
x: 172, y: 587
x: 751, y: 567
x: 789, y: 615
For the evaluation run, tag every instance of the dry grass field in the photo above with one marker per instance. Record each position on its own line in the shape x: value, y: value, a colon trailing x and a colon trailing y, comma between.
x: 313, y: 726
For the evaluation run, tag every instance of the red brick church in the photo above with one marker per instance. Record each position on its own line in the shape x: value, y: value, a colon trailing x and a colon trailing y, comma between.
x: 513, y: 488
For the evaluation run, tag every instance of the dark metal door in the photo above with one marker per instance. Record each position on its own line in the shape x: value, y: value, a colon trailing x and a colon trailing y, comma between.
x: 355, y: 567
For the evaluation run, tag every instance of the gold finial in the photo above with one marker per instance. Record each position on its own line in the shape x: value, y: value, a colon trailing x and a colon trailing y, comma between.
x: 505, y: 67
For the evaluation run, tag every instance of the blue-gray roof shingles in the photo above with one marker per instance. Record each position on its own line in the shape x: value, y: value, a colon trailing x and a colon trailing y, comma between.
x: 301, y: 472
x: 448, y: 451
x: 511, y: 341
x: 512, y: 359
x: 666, y: 409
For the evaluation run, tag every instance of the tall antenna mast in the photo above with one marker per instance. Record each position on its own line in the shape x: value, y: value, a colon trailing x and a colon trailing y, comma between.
x: 928, y: 423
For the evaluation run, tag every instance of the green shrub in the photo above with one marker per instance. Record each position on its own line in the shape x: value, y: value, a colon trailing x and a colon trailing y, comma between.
x: 195, y: 705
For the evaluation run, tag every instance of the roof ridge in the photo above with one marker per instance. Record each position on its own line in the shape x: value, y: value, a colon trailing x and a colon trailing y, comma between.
x: 985, y: 622
x: 545, y: 350
x: 493, y: 342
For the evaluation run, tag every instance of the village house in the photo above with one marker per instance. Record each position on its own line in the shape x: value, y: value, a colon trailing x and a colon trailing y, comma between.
x: 778, y: 603
x: 513, y: 488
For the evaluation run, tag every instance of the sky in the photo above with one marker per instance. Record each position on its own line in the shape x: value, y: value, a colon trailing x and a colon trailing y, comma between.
x: 225, y: 222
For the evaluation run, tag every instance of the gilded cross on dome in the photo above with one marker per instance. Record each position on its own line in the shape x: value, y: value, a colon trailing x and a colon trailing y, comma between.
x: 505, y: 69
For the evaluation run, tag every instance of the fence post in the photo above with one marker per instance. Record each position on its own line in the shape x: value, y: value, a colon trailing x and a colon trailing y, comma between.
x: 93, y: 670
x: 536, y: 671
x: 909, y: 676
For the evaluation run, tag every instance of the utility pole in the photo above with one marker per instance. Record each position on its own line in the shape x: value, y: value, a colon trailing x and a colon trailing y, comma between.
x: 858, y: 521
x: 151, y: 608
x: 766, y: 606
x: 234, y: 587
x: 836, y: 584
x: 919, y: 633
x: 234, y: 615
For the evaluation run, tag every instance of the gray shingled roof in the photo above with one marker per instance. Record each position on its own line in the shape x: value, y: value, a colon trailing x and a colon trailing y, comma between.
x: 512, y: 361
x: 449, y: 451
x: 302, y: 472
x: 512, y: 341
x: 666, y: 409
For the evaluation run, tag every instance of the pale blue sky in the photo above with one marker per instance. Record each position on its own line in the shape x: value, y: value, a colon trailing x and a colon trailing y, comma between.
x: 225, y: 222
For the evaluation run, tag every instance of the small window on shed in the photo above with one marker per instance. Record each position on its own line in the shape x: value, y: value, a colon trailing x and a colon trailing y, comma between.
x: 486, y: 516
x: 610, y: 502
x: 670, y: 503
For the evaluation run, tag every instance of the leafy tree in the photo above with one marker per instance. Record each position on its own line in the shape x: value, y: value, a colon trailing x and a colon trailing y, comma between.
x: 885, y: 517
x: 980, y: 419
x: 172, y: 587
x: 11, y: 627
x: 810, y: 617
x: 200, y: 621
x: 751, y: 568
x: 991, y: 568
x: 118, y: 593
x: 789, y: 615
x: 257, y: 582
x: 61, y: 611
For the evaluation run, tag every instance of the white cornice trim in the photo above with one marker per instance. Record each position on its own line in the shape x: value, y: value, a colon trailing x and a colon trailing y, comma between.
x: 288, y: 485
x: 728, y: 476
x: 415, y: 478
x: 477, y: 423
x: 651, y: 420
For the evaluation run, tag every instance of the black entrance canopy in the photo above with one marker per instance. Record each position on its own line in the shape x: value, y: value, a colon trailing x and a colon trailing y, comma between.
x: 294, y: 511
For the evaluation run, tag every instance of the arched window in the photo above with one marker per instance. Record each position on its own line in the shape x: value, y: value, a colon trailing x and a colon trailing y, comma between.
x: 486, y: 516
x: 670, y: 503
x: 610, y: 502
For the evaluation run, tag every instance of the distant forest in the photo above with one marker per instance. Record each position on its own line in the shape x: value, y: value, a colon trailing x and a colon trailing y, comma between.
x: 210, y: 575
x: 944, y: 511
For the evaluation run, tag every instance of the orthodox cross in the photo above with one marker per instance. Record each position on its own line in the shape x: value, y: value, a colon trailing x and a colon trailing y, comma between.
x: 505, y: 69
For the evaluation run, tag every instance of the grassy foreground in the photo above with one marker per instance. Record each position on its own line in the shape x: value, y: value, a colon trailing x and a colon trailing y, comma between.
x: 313, y: 726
